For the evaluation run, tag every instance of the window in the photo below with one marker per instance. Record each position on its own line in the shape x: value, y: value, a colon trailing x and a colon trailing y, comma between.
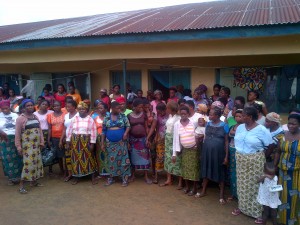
x: 134, y: 78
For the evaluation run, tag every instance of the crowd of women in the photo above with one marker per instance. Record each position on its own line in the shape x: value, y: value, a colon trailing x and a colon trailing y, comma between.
x: 193, y: 138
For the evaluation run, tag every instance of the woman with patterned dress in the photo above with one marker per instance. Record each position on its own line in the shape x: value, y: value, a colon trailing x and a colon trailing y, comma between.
x: 251, y: 139
x: 289, y: 173
x: 101, y: 156
x: 185, y: 142
x: 214, y: 157
x: 71, y: 107
x: 114, y: 141
x: 11, y: 160
x: 29, y: 140
x: 81, y: 136
x: 159, y: 124
x: 170, y: 167
x: 139, y: 153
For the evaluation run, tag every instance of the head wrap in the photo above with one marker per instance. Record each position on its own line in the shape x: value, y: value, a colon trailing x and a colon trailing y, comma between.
x: 25, y: 101
x: 82, y: 104
x: 202, y: 108
x: 121, y: 100
x: 274, y: 117
x: 218, y: 104
x: 157, y: 92
x: 96, y: 102
x: 103, y: 90
x: 4, y: 103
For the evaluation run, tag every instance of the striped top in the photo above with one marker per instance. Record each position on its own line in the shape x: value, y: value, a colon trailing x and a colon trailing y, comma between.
x: 187, y: 135
x: 290, y: 155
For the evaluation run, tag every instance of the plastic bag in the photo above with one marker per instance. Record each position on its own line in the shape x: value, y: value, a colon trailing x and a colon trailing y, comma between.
x: 48, y: 156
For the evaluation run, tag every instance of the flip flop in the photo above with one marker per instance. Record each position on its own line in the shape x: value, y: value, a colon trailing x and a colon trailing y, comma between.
x: 23, y: 191
x: 259, y: 221
x: 222, y: 201
x: 236, y: 212
x: 165, y: 184
x: 200, y: 195
x: 155, y: 181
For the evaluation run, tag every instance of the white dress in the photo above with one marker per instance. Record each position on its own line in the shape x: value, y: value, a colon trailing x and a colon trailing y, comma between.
x: 266, y: 197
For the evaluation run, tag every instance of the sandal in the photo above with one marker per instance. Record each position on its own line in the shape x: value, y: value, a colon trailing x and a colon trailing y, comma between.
x: 165, y: 184
x: 67, y: 179
x: 222, y: 201
x: 236, y: 212
x: 109, y: 181
x: 185, y: 191
x: 191, y: 193
x: 22, y: 191
x: 199, y: 195
x: 259, y: 221
x: 124, y: 184
x: 37, y: 185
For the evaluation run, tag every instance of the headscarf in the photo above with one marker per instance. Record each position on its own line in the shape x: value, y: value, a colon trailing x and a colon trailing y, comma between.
x: 202, y: 108
x: 25, y: 101
x: 121, y: 100
x: 96, y: 102
x: 218, y: 104
x: 4, y: 103
x: 157, y: 92
x: 274, y: 117
x: 82, y: 104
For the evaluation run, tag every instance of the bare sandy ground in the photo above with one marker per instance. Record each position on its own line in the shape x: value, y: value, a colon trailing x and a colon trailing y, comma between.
x: 83, y: 204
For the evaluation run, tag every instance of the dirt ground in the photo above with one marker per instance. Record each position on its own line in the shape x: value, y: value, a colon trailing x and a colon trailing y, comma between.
x: 84, y: 204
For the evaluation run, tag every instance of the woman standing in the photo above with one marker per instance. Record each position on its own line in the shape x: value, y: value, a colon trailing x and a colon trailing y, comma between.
x: 259, y: 107
x: 61, y: 95
x: 82, y: 133
x: 11, y: 160
x: 172, y: 94
x: 273, y: 124
x: 12, y: 97
x: 157, y: 99
x: 115, y: 93
x: 215, y: 96
x: 214, y: 157
x: 238, y: 116
x: 170, y: 167
x: 71, y: 107
x: 139, y: 153
x: 253, y: 96
x: 114, y: 141
x: 250, y: 141
x: 185, y: 141
x: 289, y: 173
x: 29, y: 140
x: 159, y: 124
x: 42, y: 116
x: 101, y: 156
x: 56, y: 127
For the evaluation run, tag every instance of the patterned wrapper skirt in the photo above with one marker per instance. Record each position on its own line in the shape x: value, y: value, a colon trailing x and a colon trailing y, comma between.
x: 170, y: 167
x: 12, y: 162
x: 190, y: 164
x: 248, y: 168
x: 232, y: 171
x: 289, y: 211
x: 32, y: 158
x: 139, y: 153
x: 103, y: 159
x: 160, y: 155
x: 118, y: 159
x: 82, y: 159
x: 67, y: 162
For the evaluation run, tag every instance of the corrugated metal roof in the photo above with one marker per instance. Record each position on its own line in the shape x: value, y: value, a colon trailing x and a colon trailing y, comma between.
x: 207, y: 15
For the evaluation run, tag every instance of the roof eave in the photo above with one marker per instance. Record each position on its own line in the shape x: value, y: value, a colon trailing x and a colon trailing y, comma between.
x: 166, y: 36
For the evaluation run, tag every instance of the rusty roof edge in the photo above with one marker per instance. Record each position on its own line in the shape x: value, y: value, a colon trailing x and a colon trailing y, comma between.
x: 154, y: 37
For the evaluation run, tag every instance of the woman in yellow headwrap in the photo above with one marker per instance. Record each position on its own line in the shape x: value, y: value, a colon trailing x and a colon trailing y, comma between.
x: 82, y: 135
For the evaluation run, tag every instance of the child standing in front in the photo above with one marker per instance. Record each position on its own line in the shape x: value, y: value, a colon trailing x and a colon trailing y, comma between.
x: 268, y: 199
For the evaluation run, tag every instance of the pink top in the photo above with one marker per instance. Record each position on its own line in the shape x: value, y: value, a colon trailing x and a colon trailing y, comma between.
x: 154, y: 104
x: 83, y: 126
x: 187, y: 135
x: 43, y: 119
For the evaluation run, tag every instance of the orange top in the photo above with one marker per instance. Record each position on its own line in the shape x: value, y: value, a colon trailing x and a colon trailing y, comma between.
x: 76, y: 97
x: 64, y: 110
x: 99, y: 124
x: 57, y: 124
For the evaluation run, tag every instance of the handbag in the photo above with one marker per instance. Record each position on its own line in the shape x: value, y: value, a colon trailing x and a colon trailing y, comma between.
x: 48, y: 156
